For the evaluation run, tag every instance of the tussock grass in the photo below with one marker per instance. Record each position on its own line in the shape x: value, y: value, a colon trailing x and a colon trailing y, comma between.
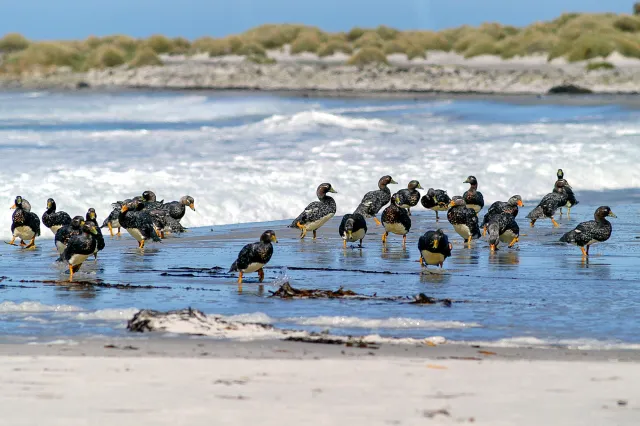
x: 415, y: 52
x: 252, y: 49
x: 13, y: 42
x: 368, y: 55
x: 602, y: 65
x: 272, y: 36
x: 427, y: 40
x: 159, y: 44
x: 396, y: 46
x: 627, y: 23
x: 180, y: 45
x: 387, y: 33
x: 334, y: 46
x: 306, y: 42
x: 145, y: 56
x: 369, y: 39
x: 44, y: 56
x: 105, y: 56
x: 587, y: 46
x: 355, y: 33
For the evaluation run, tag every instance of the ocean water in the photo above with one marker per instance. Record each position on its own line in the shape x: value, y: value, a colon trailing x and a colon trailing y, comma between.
x: 258, y: 158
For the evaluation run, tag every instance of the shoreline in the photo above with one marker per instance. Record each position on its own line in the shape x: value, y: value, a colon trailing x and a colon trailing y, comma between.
x: 329, y: 79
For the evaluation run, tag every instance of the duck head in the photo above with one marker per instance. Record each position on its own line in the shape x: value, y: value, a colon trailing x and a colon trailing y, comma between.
x: 268, y: 237
x: 188, y: 200
x: 322, y: 190
x: 385, y: 180
x: 414, y: 184
x: 516, y: 200
x: 471, y: 180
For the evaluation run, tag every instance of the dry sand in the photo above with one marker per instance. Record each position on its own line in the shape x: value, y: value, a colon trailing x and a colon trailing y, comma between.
x: 204, y: 382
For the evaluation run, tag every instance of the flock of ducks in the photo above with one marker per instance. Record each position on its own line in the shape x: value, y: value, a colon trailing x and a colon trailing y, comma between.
x: 146, y: 218
x: 499, y: 223
x: 78, y: 238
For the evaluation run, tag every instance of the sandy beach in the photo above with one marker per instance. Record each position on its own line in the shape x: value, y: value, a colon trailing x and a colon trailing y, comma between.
x: 200, y: 382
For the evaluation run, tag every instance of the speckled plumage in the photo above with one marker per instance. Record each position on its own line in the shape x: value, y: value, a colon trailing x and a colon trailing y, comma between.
x: 79, y: 247
x: 592, y: 231
x: 316, y: 213
x: 254, y: 256
x: 502, y: 227
x: 137, y: 222
x: 395, y: 220
x: 409, y: 196
x: 177, y: 209
x: 436, y: 200
x: 24, y: 224
x: 571, y: 197
x: 472, y: 197
x: 434, y: 247
x: 67, y: 231
x: 353, y: 227
x: 53, y: 219
x: 499, y: 207
x: 463, y: 219
x: 150, y: 200
x: 92, y: 217
x: 549, y: 204
x: 373, y: 201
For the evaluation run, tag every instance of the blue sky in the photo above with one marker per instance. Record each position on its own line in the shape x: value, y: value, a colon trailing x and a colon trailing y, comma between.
x: 72, y: 19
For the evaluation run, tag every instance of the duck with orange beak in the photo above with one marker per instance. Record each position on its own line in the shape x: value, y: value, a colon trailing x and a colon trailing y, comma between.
x: 253, y: 257
x: 138, y: 222
x: 463, y: 219
x: 510, y: 206
x: 591, y: 232
x: 24, y: 225
x: 503, y: 228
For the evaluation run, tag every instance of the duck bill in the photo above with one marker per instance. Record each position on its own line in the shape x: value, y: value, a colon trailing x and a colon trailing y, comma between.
x: 393, y: 181
x: 492, y: 247
x: 452, y: 204
x: 612, y: 215
x: 333, y: 190
x: 436, y: 243
x: 124, y: 209
x: 13, y: 207
x: 192, y: 207
x: 349, y: 234
x: 520, y: 203
x: 466, y: 181
x: 274, y: 239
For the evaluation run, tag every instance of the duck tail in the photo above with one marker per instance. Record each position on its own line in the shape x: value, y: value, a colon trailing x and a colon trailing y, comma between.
x: 569, y: 237
x: 234, y: 267
x: 536, y: 213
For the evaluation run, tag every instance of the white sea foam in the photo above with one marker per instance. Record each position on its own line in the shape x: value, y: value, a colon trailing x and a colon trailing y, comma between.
x: 395, y: 323
x: 32, y: 306
x: 535, y: 342
x: 107, y: 314
x: 268, y: 168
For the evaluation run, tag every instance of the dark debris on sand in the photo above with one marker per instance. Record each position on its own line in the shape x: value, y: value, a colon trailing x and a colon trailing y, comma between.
x: 98, y: 283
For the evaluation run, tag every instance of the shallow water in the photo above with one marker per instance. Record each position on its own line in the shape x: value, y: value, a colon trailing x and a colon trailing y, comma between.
x: 257, y: 158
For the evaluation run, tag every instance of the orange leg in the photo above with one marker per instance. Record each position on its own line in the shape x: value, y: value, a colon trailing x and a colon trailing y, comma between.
x: 584, y: 252
x: 469, y: 241
x: 260, y: 275
x: 110, y: 228
x: 12, y: 242
x: 375, y: 219
x: 344, y: 243
x: 141, y: 244
x: 32, y: 244
x: 484, y: 231
x: 421, y: 260
x: 384, y: 237
x: 70, y: 273
x: 118, y: 234
x: 303, y: 230
x: 513, y: 242
x: 240, y: 278
x: 555, y: 224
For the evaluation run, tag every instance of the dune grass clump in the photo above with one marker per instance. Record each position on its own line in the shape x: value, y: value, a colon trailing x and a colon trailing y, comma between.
x: 387, y: 33
x: 251, y: 49
x: 159, y: 44
x: 602, y: 65
x: 217, y: 46
x: 587, y: 46
x: 368, y: 55
x: 272, y: 36
x: 105, y: 56
x: 482, y: 45
x: 628, y: 46
x: 369, y: 39
x: 414, y: 52
x: 306, y: 42
x: 44, y: 55
x: 626, y: 23
x: 396, y: 46
x: 526, y: 45
x: 334, y: 46
x: 180, y: 46
x: 13, y: 42
x: 145, y: 57
x: 355, y: 33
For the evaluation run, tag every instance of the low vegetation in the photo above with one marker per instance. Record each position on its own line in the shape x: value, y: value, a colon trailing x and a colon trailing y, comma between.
x: 602, y: 65
x: 571, y: 37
